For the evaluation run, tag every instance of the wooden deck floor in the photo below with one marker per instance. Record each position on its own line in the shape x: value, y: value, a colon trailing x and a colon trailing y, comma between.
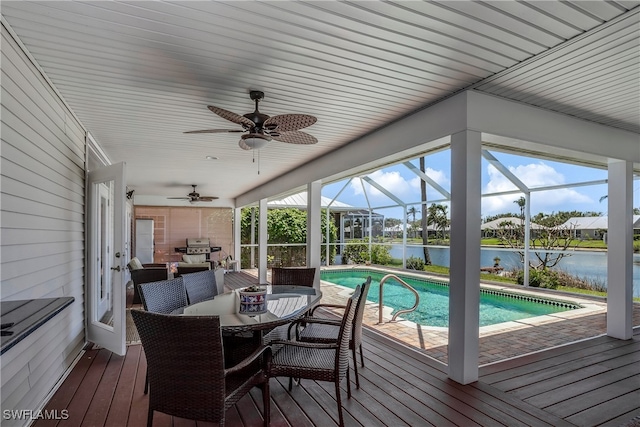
x: 590, y: 383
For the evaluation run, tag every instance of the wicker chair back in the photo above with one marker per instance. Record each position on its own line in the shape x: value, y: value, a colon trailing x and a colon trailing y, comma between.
x: 299, y: 276
x: 164, y: 296
x: 356, y: 337
x: 344, y: 336
x: 146, y: 275
x: 200, y: 286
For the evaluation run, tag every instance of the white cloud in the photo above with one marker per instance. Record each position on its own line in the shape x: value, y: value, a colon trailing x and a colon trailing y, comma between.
x: 391, y: 181
x: 532, y: 175
x: 438, y: 176
x: 403, y: 188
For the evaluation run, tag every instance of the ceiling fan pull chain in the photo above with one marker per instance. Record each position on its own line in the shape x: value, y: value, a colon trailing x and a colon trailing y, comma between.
x: 253, y: 152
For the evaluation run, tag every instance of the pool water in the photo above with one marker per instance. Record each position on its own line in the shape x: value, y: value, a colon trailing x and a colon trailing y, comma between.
x: 433, y: 309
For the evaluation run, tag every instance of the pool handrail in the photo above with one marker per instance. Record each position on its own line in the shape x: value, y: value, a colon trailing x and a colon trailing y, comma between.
x: 399, y: 312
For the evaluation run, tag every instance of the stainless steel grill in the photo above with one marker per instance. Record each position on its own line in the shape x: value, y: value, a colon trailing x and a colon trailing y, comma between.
x: 198, y: 246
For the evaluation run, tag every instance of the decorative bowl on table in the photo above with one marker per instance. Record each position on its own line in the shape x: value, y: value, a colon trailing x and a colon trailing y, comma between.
x: 253, y: 300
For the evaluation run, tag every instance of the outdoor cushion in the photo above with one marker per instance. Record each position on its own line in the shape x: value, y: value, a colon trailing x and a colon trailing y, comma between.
x: 194, y: 264
x: 135, y: 264
x: 194, y: 259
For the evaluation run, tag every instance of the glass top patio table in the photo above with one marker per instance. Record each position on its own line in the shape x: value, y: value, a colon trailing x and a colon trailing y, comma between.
x: 283, y: 306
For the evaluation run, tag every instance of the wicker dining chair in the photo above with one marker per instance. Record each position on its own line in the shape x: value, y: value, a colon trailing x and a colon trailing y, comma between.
x: 200, y: 286
x: 148, y: 273
x: 327, y: 330
x: 298, y: 276
x: 187, y: 268
x: 318, y: 361
x: 185, y: 368
x: 163, y: 296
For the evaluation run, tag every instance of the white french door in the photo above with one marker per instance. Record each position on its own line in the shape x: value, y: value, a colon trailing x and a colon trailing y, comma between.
x: 106, y: 296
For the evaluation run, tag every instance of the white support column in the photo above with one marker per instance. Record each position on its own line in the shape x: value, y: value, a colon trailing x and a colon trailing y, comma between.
x: 252, y: 263
x: 342, y: 236
x: 327, y: 247
x: 527, y: 236
x: 620, y: 251
x: 404, y: 237
x: 262, y: 241
x: 237, y: 235
x: 464, y: 282
x: 314, y: 227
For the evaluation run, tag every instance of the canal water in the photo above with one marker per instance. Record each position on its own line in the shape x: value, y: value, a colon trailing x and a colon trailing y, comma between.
x: 588, y: 265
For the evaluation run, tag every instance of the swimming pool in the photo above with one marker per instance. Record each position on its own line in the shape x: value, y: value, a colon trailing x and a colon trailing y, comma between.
x: 496, y: 306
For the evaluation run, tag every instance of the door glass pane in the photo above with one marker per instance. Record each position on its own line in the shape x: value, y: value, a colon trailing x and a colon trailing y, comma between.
x: 103, y: 299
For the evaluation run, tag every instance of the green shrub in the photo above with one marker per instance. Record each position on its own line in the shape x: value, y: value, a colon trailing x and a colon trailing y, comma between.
x: 355, y: 251
x: 380, y: 255
x: 540, y: 279
x: 415, y: 263
x: 576, y: 282
x: 358, y: 253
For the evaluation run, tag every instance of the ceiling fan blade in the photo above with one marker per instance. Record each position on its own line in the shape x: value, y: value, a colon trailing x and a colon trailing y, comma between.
x: 232, y: 117
x: 296, y: 137
x: 215, y: 131
x: 207, y: 198
x: 289, y: 122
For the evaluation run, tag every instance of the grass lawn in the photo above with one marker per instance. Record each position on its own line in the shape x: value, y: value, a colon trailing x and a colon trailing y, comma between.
x: 437, y: 269
x: 493, y: 241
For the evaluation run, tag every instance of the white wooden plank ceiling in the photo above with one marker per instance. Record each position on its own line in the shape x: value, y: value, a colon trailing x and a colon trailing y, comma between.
x: 139, y: 74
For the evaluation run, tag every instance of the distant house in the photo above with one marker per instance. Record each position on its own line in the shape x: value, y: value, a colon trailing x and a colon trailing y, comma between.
x: 489, y: 229
x: 396, y: 231
x: 593, y: 227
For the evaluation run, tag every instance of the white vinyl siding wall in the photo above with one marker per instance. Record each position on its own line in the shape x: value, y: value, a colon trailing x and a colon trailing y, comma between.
x: 42, y: 192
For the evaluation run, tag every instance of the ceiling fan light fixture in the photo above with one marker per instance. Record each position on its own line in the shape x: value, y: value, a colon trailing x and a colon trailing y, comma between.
x: 255, y: 141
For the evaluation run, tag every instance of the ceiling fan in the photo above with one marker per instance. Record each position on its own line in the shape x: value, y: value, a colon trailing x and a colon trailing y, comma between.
x: 194, y: 196
x: 261, y: 128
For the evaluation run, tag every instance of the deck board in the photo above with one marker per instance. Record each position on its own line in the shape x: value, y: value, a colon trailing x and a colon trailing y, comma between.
x: 532, y: 365
x: 588, y: 383
x: 523, y: 378
x: 123, y: 393
x: 85, y: 392
x: 605, y: 411
x: 590, y: 399
x: 476, y: 409
x: 592, y: 383
x: 105, y: 393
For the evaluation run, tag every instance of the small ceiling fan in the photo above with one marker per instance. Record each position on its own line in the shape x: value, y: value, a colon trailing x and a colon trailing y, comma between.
x: 194, y: 196
x: 261, y: 128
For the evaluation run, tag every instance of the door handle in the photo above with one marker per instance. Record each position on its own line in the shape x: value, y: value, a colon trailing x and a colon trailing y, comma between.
x: 116, y: 268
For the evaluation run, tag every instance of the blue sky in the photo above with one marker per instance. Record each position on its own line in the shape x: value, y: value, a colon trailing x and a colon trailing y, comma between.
x: 533, y: 172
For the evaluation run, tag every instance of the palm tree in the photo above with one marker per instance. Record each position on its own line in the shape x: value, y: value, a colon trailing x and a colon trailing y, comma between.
x: 521, y: 202
x: 412, y: 211
x: 437, y: 215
